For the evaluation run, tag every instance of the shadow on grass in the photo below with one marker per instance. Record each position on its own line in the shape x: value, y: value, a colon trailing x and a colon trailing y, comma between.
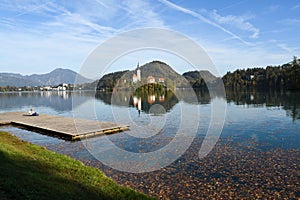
x: 25, y: 179
x: 31, y: 172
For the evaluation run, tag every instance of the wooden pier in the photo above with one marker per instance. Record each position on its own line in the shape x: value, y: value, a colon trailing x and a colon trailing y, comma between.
x: 59, y: 126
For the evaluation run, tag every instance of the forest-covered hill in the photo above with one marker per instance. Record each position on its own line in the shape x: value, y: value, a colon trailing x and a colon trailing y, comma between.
x: 282, y: 77
x: 156, y: 69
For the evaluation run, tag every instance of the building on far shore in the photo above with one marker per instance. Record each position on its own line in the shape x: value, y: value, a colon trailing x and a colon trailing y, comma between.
x: 134, y: 78
x: 150, y: 79
x: 161, y: 80
x: 137, y: 76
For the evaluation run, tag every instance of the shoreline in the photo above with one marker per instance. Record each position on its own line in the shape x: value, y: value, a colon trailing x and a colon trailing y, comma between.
x: 29, y: 171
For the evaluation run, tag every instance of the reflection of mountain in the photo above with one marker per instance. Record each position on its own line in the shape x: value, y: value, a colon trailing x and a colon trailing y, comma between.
x: 141, y: 102
x: 192, y: 96
x: 59, y: 101
x: 289, y: 101
x: 121, y: 98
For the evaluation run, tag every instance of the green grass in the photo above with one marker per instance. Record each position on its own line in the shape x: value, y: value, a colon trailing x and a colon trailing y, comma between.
x: 28, y: 171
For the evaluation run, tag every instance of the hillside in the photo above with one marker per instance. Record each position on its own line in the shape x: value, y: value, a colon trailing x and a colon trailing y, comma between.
x: 53, y: 78
x: 283, y: 77
x: 199, y: 79
x: 156, y: 69
x: 159, y: 69
x: 108, y: 81
x: 11, y: 79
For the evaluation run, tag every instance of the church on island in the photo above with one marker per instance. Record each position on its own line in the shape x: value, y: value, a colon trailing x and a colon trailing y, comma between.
x: 137, y: 77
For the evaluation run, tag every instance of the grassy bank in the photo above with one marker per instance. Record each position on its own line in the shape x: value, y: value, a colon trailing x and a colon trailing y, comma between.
x: 29, y: 171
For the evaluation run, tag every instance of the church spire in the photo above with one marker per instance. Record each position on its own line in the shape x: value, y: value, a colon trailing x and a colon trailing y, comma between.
x: 138, y: 72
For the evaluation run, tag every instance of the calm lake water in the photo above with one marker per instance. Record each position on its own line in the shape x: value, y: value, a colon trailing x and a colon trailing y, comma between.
x: 257, y: 154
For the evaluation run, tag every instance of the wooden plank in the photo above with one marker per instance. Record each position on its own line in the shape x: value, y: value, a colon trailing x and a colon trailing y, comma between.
x: 64, y: 127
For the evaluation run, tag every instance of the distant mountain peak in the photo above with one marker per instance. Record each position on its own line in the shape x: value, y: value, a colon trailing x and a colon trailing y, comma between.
x: 55, y: 77
x: 61, y: 69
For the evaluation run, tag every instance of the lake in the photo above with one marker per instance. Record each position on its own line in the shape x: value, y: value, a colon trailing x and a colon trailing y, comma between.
x: 255, y: 154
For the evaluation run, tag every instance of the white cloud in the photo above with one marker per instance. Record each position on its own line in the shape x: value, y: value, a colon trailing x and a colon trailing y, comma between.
x: 239, y: 22
x: 295, y: 7
x: 27, y: 53
x: 290, y: 22
x: 271, y: 9
x: 204, y: 19
x: 36, y: 7
x: 142, y: 14
x: 284, y: 47
x: 229, y: 58
x: 58, y: 33
x: 100, y: 11
x: 233, y: 5
x: 76, y: 19
x: 288, y: 48
x: 7, y: 23
x: 64, y: 22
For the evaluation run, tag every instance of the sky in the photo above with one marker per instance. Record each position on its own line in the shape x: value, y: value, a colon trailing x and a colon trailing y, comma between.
x: 37, y: 36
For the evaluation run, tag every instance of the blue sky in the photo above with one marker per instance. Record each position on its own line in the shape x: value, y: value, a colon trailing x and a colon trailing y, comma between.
x: 37, y: 36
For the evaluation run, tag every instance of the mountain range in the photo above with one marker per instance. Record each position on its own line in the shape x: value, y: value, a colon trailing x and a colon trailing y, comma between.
x: 53, y: 78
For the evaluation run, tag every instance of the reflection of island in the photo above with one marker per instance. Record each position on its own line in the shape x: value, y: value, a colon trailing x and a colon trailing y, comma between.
x: 166, y: 99
x: 194, y: 96
x: 58, y: 100
x: 142, y: 101
x: 289, y: 101
x: 137, y: 102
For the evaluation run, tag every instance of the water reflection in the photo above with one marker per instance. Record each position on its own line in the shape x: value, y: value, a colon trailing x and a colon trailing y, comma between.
x: 289, y: 101
x: 141, y: 101
x: 60, y: 101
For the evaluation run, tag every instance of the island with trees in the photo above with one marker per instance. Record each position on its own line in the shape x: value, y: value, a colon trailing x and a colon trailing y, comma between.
x: 281, y: 77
